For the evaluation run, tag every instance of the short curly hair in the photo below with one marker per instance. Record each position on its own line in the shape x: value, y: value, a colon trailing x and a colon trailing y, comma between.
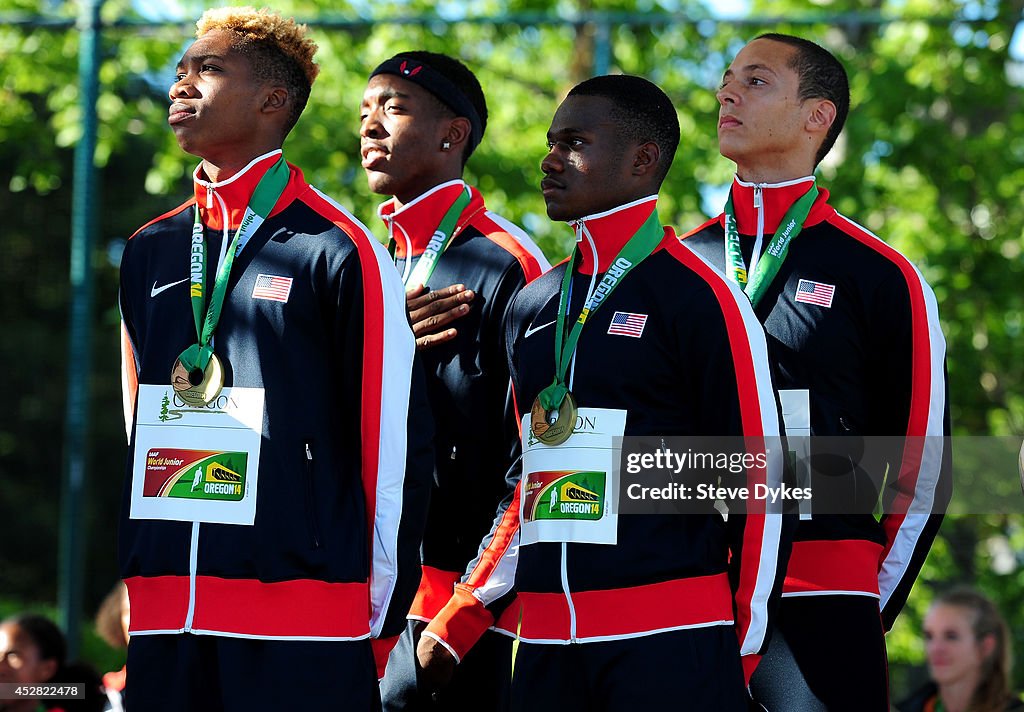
x: 641, y: 112
x: 277, y: 47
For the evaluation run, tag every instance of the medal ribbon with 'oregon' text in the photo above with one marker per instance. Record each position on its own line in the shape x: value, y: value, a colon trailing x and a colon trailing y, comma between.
x: 263, y: 199
x: 771, y: 259
x: 439, y: 241
x: 635, y: 251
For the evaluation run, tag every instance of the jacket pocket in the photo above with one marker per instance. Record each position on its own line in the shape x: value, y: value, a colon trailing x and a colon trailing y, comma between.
x: 314, y: 525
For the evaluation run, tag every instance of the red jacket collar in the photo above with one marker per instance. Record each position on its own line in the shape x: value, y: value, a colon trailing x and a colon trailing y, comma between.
x: 412, y: 225
x: 776, y: 198
x: 610, y: 230
x: 236, y: 191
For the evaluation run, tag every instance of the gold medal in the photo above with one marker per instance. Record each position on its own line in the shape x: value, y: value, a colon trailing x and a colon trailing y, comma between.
x: 553, y: 427
x: 198, y: 387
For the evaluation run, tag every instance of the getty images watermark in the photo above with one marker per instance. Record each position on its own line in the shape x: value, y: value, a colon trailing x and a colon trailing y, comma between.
x: 813, y: 475
x: 709, y: 474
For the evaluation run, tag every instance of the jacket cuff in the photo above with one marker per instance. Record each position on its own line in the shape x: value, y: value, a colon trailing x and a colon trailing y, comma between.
x: 450, y: 649
x: 382, y: 648
x: 749, y: 665
x: 461, y: 622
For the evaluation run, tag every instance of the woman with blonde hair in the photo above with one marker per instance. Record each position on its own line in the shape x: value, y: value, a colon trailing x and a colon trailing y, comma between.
x: 112, y: 625
x: 967, y: 644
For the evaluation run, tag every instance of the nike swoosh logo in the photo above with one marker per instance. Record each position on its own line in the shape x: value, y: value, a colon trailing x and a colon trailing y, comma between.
x: 535, y: 329
x: 156, y: 290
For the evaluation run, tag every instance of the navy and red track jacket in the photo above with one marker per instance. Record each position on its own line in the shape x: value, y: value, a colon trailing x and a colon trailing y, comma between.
x: 346, y: 458
x: 699, y: 367
x: 467, y: 378
x: 873, y: 361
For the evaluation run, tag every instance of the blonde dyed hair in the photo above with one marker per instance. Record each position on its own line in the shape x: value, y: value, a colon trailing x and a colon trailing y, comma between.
x: 277, y: 48
x: 265, y: 25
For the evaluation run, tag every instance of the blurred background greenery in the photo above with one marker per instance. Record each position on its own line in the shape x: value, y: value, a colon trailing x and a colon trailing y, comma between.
x: 932, y: 159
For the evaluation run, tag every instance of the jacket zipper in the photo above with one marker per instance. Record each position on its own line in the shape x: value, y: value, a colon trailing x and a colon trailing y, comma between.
x: 407, y: 268
x: 568, y: 595
x: 581, y: 232
x: 759, y: 241
x: 314, y: 528
x: 193, y: 566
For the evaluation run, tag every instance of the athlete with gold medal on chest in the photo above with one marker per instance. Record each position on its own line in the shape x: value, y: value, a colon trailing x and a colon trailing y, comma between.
x: 198, y: 374
x: 286, y: 468
x: 634, y: 335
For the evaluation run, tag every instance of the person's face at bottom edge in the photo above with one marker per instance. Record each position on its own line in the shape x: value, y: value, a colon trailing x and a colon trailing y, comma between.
x: 20, y: 658
x: 953, y: 651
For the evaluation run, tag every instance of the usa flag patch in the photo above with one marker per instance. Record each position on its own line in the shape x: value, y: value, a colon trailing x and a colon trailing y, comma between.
x: 818, y: 293
x: 627, y: 324
x: 271, y: 287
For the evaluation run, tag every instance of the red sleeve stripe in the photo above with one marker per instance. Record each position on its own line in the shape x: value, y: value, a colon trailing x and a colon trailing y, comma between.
x: 129, y: 380
x: 515, y: 409
x: 495, y: 569
x: 759, y: 416
x: 505, y: 535
x: 516, y: 242
x: 922, y: 457
x: 388, y: 347
x: 503, y: 575
x: 746, y: 338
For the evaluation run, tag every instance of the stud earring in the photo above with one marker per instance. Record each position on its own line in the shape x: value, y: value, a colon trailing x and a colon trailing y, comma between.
x: 445, y: 145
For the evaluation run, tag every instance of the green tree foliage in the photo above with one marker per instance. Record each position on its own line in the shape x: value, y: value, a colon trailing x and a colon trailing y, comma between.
x: 932, y: 159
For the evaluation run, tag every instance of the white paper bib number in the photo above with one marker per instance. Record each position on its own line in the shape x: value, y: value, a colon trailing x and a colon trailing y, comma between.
x: 197, y: 464
x: 569, y: 491
x: 796, y: 416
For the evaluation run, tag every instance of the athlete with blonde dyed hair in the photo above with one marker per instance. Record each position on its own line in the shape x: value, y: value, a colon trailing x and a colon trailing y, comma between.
x: 276, y: 46
x: 261, y: 305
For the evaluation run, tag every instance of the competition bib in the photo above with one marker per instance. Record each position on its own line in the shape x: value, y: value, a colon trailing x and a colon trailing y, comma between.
x: 569, y: 491
x: 796, y: 416
x: 197, y: 463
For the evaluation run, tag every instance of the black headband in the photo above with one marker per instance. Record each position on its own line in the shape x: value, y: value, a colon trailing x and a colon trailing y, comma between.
x: 440, y: 86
